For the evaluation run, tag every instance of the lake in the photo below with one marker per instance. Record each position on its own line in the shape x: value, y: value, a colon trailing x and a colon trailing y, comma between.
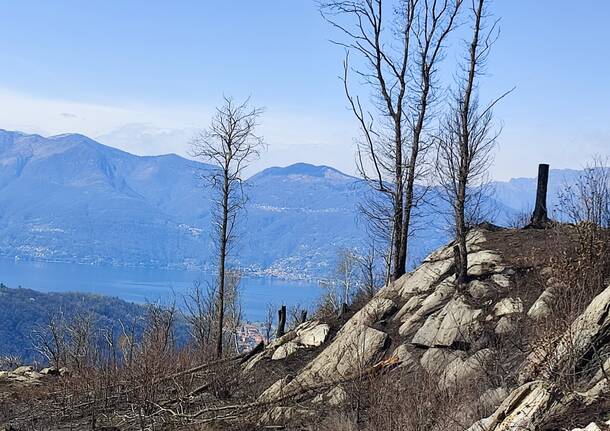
x: 142, y: 285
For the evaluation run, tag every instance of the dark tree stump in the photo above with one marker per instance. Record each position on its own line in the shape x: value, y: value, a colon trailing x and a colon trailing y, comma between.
x: 303, y: 316
x: 281, y: 324
x: 540, y: 217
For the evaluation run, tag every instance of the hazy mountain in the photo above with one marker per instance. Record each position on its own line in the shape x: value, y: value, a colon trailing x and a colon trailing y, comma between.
x: 69, y: 198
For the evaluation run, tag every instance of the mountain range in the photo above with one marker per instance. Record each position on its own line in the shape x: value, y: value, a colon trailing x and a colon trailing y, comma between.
x: 69, y: 198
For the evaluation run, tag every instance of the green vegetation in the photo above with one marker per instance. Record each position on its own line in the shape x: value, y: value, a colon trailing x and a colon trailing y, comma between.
x: 24, y: 310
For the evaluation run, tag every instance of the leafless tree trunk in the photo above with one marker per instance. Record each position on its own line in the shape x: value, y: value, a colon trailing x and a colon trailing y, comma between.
x: 233, y: 309
x: 281, y: 322
x: 540, y: 216
x: 268, y: 323
x: 346, y: 273
x: 230, y: 144
x: 401, y: 54
x: 466, y: 140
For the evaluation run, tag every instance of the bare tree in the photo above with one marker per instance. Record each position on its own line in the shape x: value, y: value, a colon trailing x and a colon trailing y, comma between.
x: 343, y: 283
x: 82, y: 349
x: 399, y: 54
x: 347, y: 274
x: 68, y: 342
x: 467, y: 139
x: 50, y: 340
x: 268, y: 322
x: 233, y: 311
x: 199, y: 313
x: 230, y: 144
x: 370, y: 277
x: 588, y: 199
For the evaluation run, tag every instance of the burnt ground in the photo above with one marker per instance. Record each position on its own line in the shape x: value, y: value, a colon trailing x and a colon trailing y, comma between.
x: 526, y: 251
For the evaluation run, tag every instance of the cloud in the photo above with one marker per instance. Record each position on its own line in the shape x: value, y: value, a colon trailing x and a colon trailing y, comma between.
x: 149, y: 139
x: 292, y: 135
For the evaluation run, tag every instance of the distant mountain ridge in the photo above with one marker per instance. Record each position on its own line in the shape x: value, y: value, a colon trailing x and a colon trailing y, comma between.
x: 69, y: 198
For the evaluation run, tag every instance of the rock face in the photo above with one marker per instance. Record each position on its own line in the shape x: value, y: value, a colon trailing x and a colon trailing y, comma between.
x: 426, y: 306
x: 22, y: 376
x: 456, y: 324
x: 353, y: 351
x: 414, y: 313
x: 454, y: 336
x: 466, y: 370
x: 307, y: 335
x: 533, y: 404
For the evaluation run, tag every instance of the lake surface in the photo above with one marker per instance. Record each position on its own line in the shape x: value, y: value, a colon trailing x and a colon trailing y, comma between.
x: 152, y: 285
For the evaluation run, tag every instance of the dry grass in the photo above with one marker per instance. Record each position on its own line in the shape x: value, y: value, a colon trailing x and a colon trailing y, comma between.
x: 153, y: 384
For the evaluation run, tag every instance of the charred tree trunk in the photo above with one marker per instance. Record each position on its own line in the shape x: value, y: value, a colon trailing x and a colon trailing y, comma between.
x: 540, y: 216
x: 399, y: 253
x: 281, y: 323
x: 222, y: 264
x: 303, y: 316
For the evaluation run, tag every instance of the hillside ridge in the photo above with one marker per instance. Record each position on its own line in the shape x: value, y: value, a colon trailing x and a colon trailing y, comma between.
x: 500, y: 353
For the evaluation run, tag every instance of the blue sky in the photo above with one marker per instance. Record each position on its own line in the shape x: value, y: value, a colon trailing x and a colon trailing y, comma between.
x: 144, y: 76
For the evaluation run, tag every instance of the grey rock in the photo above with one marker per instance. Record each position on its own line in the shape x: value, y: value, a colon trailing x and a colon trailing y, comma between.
x: 281, y: 415
x: 481, y: 290
x: 506, y: 325
x: 484, y: 262
x: 50, y: 371
x: 435, y: 360
x: 501, y: 280
x: 425, y: 278
x: 20, y: 371
x: 456, y: 323
x: 508, y: 306
x: 352, y: 352
x: 433, y: 302
x: 286, y: 350
x: 408, y: 362
x: 461, y: 371
x: 541, y: 308
x: 587, y: 333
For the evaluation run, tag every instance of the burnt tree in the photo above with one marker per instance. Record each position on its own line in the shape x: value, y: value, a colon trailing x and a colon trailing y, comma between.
x: 281, y: 324
x: 540, y: 216
x: 229, y: 144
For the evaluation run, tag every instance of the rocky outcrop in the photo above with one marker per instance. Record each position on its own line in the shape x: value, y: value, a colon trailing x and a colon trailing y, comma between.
x: 470, y: 370
x: 585, y: 344
x: 581, y: 353
x: 594, y: 427
x: 542, y: 307
x: 352, y: 353
x: 414, y: 312
x: 456, y: 324
x: 355, y: 348
x: 307, y: 335
x: 24, y: 376
x: 452, y: 335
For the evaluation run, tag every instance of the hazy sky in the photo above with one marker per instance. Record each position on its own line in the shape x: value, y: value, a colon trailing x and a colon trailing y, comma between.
x: 144, y: 75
